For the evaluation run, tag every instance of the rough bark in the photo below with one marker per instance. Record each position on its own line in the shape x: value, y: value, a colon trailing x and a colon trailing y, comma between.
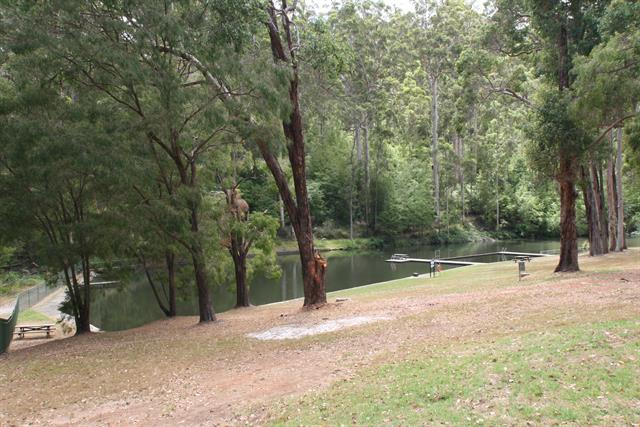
x: 568, y: 232
x: 298, y: 209
x: 566, y: 175
x: 592, y: 201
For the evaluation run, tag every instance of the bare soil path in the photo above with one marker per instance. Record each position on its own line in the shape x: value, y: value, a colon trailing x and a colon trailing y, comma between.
x: 175, y: 372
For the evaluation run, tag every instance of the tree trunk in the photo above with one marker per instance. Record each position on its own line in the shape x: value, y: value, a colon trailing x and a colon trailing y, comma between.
x: 281, y: 206
x: 367, y: 177
x: 497, y: 203
x: 171, y: 278
x: 239, y: 256
x: 83, y: 298
x: 357, y: 142
x: 476, y: 146
x: 205, y: 307
x: 566, y: 174
x: 433, y: 83
x: 621, y: 241
x: 313, y: 265
x: 458, y: 148
x: 612, y: 197
x: 568, y: 232
x: 591, y: 196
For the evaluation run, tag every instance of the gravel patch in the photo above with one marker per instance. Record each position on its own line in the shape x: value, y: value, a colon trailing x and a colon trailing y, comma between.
x: 292, y: 332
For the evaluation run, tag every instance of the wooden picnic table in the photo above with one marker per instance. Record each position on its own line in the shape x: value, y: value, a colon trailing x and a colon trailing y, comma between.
x: 22, y: 330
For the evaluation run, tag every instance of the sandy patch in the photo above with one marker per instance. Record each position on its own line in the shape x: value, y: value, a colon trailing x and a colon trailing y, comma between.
x: 292, y: 332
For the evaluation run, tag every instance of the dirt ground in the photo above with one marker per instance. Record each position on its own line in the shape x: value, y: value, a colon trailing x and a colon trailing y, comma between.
x: 175, y: 372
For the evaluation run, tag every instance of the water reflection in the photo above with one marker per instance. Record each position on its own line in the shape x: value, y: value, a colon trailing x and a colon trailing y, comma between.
x: 134, y: 305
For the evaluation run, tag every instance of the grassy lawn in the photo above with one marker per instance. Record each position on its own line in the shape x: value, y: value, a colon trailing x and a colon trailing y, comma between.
x: 578, y: 375
x: 32, y: 316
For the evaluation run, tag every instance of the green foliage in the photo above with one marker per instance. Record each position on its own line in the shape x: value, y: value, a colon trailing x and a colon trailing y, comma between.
x: 11, y: 283
x: 555, y: 131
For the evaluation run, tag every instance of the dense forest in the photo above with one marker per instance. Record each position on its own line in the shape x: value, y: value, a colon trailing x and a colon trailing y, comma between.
x: 189, y: 136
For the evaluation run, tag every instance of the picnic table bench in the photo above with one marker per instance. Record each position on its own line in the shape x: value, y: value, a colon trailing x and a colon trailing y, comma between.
x: 22, y: 330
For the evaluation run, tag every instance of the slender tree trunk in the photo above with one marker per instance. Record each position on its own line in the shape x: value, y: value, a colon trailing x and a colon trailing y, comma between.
x: 612, y: 197
x: 281, y: 206
x: 476, y: 144
x: 358, y: 142
x: 621, y: 243
x: 433, y: 82
x: 367, y: 177
x: 355, y: 147
x: 497, y: 202
x: 74, y: 294
x: 458, y: 147
x: 602, y: 206
x: 170, y: 260
x: 568, y: 232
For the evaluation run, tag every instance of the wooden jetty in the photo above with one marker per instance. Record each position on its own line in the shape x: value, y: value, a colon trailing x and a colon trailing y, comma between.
x: 506, y: 253
x: 403, y: 258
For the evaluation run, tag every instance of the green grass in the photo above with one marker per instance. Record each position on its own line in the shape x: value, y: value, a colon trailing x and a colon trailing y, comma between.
x: 579, y: 375
x: 30, y: 315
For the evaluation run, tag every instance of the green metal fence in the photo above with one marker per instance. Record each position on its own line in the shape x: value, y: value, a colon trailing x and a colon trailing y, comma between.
x: 7, y: 326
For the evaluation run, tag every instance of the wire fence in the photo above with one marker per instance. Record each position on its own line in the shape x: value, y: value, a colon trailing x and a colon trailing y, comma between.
x: 34, y: 295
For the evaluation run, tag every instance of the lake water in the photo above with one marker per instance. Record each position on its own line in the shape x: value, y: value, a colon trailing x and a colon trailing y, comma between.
x: 134, y: 305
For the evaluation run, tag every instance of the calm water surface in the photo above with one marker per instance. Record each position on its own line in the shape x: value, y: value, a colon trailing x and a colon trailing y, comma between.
x: 134, y: 305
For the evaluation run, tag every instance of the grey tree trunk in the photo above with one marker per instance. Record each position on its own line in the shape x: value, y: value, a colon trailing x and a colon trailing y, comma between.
x: 358, y: 142
x: 281, y: 205
x: 476, y: 145
x: 458, y: 147
x: 367, y: 176
x: 433, y: 83
x: 497, y: 205
x: 621, y: 243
